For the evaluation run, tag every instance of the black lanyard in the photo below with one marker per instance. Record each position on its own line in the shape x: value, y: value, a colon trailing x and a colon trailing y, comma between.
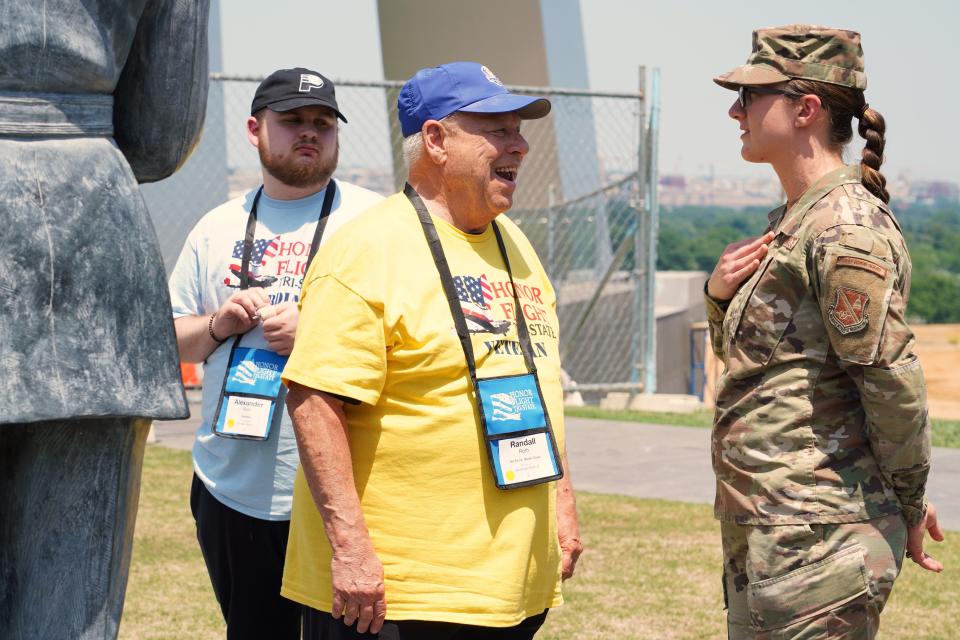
x: 248, y: 245
x: 245, y: 283
x: 252, y: 229
x: 446, y: 280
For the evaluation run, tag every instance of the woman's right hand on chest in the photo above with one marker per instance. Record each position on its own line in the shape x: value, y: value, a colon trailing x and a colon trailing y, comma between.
x: 737, y: 263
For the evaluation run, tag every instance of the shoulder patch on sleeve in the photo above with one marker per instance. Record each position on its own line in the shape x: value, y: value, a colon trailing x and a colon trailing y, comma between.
x: 855, y: 294
x: 848, y: 313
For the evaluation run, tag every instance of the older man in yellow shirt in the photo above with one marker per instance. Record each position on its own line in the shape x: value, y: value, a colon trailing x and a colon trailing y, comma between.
x: 433, y: 498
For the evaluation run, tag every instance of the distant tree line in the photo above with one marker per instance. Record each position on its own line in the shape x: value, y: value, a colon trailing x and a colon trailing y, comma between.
x: 691, y: 238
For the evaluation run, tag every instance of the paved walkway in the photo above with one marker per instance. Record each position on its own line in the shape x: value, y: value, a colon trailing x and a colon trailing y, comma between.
x: 649, y: 461
x: 659, y: 461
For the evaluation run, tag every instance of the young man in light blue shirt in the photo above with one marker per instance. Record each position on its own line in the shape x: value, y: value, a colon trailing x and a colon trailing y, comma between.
x: 234, y: 293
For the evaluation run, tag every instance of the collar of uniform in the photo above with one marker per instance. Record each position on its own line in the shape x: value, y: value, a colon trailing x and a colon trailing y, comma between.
x: 774, y: 217
x: 793, y: 218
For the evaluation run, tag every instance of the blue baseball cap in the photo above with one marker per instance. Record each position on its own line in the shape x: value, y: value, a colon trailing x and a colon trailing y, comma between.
x: 435, y: 93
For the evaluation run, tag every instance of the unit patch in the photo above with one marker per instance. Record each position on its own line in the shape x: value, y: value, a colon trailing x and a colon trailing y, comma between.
x: 860, y: 263
x: 849, y: 311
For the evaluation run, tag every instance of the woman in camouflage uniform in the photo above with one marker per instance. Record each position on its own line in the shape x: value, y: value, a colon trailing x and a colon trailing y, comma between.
x: 821, y: 440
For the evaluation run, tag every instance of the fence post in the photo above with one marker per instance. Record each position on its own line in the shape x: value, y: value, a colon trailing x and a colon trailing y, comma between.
x: 653, y: 214
x: 638, y: 341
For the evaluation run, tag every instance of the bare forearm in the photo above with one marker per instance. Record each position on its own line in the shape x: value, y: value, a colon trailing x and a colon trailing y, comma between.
x: 321, y: 430
x: 568, y: 528
x: 239, y: 314
x: 193, y: 338
x: 567, y: 502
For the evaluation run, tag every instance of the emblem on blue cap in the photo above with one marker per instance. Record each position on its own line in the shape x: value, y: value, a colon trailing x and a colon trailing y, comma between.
x: 490, y: 75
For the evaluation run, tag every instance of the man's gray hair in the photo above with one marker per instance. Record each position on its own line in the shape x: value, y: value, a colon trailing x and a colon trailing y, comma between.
x: 412, y: 149
x: 413, y: 144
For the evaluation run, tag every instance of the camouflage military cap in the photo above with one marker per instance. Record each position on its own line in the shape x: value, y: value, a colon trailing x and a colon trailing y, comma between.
x: 800, y: 51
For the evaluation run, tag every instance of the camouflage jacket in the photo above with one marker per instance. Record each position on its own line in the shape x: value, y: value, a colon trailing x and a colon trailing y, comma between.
x: 821, y: 412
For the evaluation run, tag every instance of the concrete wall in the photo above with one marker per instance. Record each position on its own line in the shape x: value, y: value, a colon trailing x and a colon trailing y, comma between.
x: 679, y: 305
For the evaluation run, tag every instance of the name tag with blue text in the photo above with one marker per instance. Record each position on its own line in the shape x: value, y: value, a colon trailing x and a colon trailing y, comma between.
x: 520, y: 443
x: 250, y: 395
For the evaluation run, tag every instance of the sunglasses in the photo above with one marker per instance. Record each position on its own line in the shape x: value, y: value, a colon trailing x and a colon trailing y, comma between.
x: 744, y: 92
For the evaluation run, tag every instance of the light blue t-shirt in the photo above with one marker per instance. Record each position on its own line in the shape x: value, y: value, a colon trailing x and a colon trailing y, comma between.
x: 252, y: 477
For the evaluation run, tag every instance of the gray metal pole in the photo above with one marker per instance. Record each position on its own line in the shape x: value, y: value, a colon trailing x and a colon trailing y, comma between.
x: 653, y: 211
x: 637, y: 342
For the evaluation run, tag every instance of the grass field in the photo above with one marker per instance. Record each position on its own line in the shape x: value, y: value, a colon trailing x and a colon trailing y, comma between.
x: 651, y: 569
x: 946, y: 433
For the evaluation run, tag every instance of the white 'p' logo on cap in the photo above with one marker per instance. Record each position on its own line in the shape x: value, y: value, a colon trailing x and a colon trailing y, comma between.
x: 490, y: 76
x: 309, y: 81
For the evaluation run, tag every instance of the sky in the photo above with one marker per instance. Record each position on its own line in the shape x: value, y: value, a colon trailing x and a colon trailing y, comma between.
x: 910, y: 50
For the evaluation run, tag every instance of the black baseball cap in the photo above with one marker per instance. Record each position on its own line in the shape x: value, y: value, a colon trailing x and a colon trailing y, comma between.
x: 288, y: 89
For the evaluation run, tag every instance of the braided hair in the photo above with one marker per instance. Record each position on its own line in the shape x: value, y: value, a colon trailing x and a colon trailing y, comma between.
x: 842, y: 105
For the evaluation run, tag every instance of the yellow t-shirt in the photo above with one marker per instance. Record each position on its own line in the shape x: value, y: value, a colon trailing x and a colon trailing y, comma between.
x: 375, y: 326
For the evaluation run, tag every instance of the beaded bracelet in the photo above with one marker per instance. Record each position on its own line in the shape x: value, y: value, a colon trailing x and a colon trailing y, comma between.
x: 210, y: 330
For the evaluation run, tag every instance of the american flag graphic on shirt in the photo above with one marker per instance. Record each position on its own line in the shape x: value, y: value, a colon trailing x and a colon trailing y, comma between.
x: 472, y: 290
x: 475, y: 295
x: 263, y: 249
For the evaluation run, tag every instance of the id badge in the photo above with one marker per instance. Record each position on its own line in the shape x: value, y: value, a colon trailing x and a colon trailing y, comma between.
x: 520, y: 442
x: 250, y: 394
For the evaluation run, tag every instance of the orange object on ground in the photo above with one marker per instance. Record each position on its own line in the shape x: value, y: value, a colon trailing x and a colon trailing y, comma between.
x: 191, y: 375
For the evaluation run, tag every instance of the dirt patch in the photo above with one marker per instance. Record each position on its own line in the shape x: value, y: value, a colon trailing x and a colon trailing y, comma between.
x: 938, y: 346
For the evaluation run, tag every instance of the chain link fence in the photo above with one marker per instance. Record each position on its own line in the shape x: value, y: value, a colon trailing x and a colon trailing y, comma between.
x: 583, y: 200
